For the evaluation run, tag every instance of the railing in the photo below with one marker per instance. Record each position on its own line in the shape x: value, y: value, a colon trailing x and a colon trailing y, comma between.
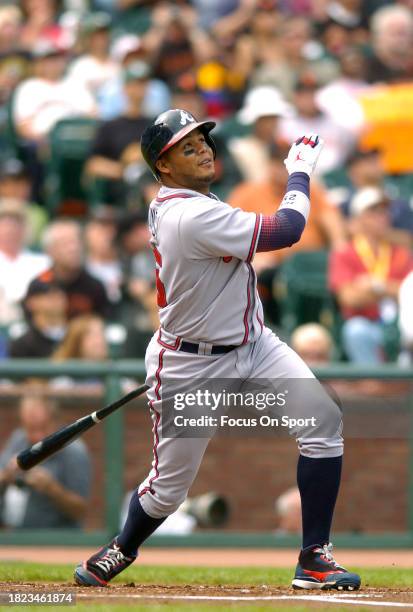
x: 111, y: 373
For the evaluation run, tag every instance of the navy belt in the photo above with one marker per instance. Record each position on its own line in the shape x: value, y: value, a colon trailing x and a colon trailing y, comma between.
x: 191, y: 347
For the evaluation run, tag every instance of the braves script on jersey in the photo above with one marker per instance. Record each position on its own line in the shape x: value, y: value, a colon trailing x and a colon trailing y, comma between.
x: 207, y: 289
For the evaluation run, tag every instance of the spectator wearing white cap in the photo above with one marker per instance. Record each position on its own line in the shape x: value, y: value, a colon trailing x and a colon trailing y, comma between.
x: 112, y: 99
x: 365, y: 276
x: 262, y: 109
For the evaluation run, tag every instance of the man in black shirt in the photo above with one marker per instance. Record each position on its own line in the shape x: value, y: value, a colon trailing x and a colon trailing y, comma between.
x: 85, y: 293
x: 45, y: 307
x: 115, y: 152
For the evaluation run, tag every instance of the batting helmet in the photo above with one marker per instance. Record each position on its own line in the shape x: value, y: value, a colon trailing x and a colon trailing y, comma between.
x: 168, y: 129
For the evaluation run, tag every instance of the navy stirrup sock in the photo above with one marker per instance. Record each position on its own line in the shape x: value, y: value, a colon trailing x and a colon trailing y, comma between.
x: 138, y: 527
x: 318, y: 481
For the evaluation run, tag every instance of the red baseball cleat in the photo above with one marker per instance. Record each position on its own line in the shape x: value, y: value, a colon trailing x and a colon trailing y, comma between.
x: 317, y: 569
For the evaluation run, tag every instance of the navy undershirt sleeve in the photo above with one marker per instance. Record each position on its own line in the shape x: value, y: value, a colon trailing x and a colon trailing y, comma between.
x: 284, y: 228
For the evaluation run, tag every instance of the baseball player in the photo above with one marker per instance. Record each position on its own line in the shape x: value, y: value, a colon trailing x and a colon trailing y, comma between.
x: 211, y: 326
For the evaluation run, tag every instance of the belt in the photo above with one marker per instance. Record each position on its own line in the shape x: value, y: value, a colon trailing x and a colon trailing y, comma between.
x: 191, y: 347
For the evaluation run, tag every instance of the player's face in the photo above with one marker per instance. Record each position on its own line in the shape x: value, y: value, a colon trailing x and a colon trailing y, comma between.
x: 189, y: 164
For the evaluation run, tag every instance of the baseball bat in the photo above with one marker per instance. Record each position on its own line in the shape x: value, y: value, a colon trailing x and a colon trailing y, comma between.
x: 33, y: 455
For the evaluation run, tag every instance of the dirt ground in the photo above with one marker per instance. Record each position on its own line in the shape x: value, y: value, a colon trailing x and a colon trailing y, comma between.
x: 131, y: 594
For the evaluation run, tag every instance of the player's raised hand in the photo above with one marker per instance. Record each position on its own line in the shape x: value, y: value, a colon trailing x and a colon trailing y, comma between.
x: 304, y: 154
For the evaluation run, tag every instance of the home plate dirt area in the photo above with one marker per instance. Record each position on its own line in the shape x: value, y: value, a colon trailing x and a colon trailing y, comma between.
x: 264, y: 597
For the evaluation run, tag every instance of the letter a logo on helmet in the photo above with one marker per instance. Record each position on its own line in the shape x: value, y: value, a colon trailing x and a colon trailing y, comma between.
x: 186, y: 118
x: 167, y: 130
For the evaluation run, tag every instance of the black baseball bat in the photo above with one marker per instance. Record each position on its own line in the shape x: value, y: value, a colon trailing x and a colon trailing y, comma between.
x: 33, y: 455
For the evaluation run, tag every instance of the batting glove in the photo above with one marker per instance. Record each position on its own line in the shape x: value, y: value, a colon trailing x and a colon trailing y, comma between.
x: 304, y: 154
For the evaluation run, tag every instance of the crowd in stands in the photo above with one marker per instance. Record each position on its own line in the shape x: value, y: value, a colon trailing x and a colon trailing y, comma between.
x: 81, y: 79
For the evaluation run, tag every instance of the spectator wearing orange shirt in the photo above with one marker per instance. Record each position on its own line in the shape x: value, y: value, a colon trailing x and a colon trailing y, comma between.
x: 324, y: 228
x: 365, y: 275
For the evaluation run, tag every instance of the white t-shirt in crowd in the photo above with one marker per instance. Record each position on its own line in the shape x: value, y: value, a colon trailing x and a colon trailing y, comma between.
x: 44, y: 103
x: 92, y: 73
x: 406, y: 309
x: 15, y: 277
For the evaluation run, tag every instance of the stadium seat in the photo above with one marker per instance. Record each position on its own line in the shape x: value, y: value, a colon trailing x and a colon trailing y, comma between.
x: 69, y: 146
x: 232, y: 128
x: 12, y: 144
x: 135, y: 20
x: 304, y: 295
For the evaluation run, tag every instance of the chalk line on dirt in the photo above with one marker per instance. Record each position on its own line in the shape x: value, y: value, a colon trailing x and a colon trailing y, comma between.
x: 320, y: 598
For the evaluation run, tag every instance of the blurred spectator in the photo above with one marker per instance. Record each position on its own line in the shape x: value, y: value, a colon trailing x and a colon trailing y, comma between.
x: 260, y: 43
x: 112, y: 98
x: 13, y: 61
x: 52, y: 495
x: 365, y: 276
x: 141, y: 312
x: 15, y: 189
x: 85, y: 339
x: 89, y: 338
x: 405, y: 314
x: 224, y: 17
x: 365, y: 169
x: 309, y: 119
x: 338, y: 100
x: 313, y: 343
x: 102, y: 259
x: 392, y: 41
x: 94, y: 67
x: 299, y: 55
x: 262, y: 110
x: 46, y: 98
x: 344, y: 23
x: 18, y: 266
x: 176, y: 44
x: 288, y: 511
x: 41, y: 22
x: 10, y: 21
x: 45, y: 306
x: 115, y: 152
x: 85, y: 293
x: 221, y: 83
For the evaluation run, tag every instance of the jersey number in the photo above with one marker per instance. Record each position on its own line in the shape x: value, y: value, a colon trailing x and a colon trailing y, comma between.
x: 160, y: 287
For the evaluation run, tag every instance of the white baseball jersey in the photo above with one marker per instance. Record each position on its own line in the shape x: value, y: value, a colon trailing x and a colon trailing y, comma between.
x: 207, y: 288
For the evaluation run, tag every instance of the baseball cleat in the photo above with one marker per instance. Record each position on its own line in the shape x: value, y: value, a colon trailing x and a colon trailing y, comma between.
x: 317, y: 569
x: 107, y: 563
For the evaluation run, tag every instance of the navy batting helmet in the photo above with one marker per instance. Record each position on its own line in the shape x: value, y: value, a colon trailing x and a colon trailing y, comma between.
x: 168, y: 129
